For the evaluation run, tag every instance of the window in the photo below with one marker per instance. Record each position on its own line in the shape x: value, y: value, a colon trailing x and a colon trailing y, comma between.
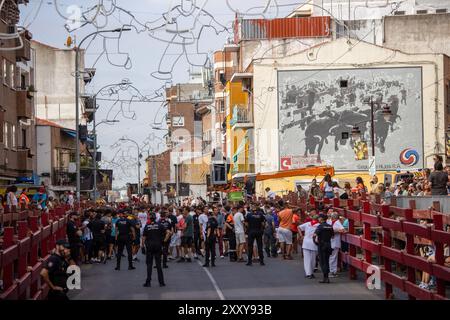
x: 6, y: 135
x: 422, y: 11
x: 221, y: 106
x: 13, y: 136
x: 5, y: 71
x: 178, y: 121
x: 343, y: 83
x: 12, y: 75
x: 24, y: 138
x: 441, y: 10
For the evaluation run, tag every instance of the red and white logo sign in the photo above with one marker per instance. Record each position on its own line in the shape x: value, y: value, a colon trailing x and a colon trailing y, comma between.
x: 286, y: 163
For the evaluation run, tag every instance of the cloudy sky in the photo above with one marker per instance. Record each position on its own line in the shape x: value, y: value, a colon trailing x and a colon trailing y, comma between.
x: 136, y: 55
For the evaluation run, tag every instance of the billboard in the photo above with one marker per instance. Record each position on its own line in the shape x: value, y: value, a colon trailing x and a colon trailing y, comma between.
x: 104, y: 179
x: 318, y: 109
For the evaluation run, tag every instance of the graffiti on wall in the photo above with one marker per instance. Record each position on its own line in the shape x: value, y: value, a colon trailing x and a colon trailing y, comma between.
x: 317, y: 111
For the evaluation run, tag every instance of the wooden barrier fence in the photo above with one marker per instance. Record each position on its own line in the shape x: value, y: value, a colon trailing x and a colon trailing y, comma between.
x: 28, y: 239
x: 381, y: 224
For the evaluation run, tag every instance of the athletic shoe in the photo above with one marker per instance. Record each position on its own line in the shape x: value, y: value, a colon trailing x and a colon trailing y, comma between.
x: 206, y: 265
x: 131, y: 268
x: 333, y: 275
x: 262, y: 263
x: 147, y: 284
x: 181, y: 260
x: 249, y: 264
x: 221, y: 257
x: 325, y: 281
x: 162, y: 284
x: 117, y: 268
x: 188, y: 260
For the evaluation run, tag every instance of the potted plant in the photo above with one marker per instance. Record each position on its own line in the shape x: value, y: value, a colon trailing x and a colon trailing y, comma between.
x: 30, y: 92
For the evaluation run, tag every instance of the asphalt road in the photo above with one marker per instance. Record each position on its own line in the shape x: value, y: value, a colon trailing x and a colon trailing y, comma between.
x: 278, y: 279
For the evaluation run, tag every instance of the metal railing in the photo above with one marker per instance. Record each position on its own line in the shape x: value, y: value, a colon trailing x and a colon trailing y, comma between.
x: 240, y: 115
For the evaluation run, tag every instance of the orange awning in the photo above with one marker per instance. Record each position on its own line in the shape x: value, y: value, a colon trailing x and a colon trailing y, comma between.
x: 312, y: 171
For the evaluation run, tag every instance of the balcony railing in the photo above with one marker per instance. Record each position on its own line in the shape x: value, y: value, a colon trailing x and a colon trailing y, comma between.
x: 241, y: 115
x: 24, y: 105
x: 62, y: 177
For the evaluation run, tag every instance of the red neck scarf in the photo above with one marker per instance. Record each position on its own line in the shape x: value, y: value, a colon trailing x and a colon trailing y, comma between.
x: 314, y: 222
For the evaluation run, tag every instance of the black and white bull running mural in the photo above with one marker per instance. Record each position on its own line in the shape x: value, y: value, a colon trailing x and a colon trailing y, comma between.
x: 317, y: 111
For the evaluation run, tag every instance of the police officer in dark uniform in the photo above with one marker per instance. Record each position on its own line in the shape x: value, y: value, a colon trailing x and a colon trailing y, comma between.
x: 210, y: 242
x: 153, y: 237
x: 167, y: 224
x: 322, y: 237
x: 125, y: 234
x: 55, y: 274
x: 255, y: 221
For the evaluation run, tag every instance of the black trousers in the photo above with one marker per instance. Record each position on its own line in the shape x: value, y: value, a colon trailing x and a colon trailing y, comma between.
x: 270, y: 244
x: 210, y: 248
x: 75, y: 251
x: 150, y: 256
x: 121, y: 244
x: 165, y: 252
x: 324, y: 258
x: 252, y: 236
x: 197, y: 243
x: 232, y: 246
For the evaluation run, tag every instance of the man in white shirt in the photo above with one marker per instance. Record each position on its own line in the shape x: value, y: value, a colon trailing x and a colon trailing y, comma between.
x: 239, y: 231
x: 202, y: 221
x: 270, y: 194
x: 335, y: 243
x: 309, y: 247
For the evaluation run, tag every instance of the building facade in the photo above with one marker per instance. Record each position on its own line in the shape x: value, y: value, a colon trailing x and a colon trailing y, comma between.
x: 56, y: 156
x: 55, y: 84
x: 314, y: 108
x: 17, y: 138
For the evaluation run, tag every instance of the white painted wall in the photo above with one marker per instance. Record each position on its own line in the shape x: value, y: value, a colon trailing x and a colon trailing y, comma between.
x: 55, y: 84
x: 44, y: 152
x: 361, y: 55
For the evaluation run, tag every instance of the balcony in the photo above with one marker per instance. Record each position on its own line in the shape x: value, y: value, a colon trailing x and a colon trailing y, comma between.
x: 24, y: 161
x: 24, y: 105
x: 23, y: 53
x: 62, y: 177
x: 242, y: 118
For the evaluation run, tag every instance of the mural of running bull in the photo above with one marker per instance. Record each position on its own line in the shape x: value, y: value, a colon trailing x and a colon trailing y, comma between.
x: 317, y: 111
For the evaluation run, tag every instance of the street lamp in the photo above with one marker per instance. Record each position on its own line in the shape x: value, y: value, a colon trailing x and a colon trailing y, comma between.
x: 77, y: 100
x: 138, y: 160
x: 356, y: 132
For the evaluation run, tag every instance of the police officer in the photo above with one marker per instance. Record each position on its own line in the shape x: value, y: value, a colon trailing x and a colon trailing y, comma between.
x: 210, y: 242
x: 255, y: 222
x: 167, y: 224
x: 153, y: 237
x: 322, y: 237
x: 54, y: 272
x: 125, y: 234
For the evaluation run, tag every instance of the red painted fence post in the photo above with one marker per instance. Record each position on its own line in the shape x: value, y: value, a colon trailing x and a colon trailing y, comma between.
x: 8, y: 271
x: 367, y: 233
x: 440, y: 259
x: 387, y: 241
x: 410, y: 250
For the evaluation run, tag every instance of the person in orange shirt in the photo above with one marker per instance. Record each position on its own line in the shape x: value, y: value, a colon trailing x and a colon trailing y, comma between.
x: 24, y: 201
x: 294, y: 230
x: 284, y: 232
